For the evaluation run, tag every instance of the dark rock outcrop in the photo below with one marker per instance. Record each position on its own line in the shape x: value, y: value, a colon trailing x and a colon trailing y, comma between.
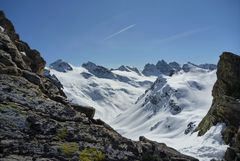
x: 102, y: 72
x: 36, y: 123
x: 99, y: 71
x: 176, y: 67
x: 150, y: 69
x: 23, y: 56
x: 226, y: 104
x: 164, y: 68
x: 161, y: 67
x: 53, y: 78
x: 88, y: 111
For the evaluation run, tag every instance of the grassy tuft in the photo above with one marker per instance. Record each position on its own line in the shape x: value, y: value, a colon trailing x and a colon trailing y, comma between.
x: 91, y: 154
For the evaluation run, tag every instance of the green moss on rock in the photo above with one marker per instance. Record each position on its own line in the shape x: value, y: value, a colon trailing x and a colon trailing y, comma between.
x: 62, y: 133
x: 68, y: 149
x: 11, y: 106
x: 91, y: 154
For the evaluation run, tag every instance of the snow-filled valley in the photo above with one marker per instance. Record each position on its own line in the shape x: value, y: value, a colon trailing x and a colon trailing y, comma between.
x: 165, y: 105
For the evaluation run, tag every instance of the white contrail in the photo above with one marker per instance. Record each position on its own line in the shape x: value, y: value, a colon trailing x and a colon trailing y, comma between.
x: 183, y: 34
x: 120, y: 31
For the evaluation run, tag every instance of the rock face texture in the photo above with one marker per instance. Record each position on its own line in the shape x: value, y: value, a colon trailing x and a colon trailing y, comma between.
x: 37, y: 123
x: 23, y: 56
x: 226, y: 104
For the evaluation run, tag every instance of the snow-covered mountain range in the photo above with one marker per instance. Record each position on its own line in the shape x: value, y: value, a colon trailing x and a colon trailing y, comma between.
x: 110, y: 92
x: 164, y: 102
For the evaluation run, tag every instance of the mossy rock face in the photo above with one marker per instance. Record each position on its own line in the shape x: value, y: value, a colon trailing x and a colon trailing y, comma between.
x: 224, y: 110
x: 12, y: 106
x: 204, y: 125
x: 228, y: 75
x: 226, y: 105
x: 91, y: 154
x: 62, y: 133
x: 69, y: 149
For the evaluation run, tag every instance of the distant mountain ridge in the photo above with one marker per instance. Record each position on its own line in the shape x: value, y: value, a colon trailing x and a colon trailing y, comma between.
x: 162, y: 67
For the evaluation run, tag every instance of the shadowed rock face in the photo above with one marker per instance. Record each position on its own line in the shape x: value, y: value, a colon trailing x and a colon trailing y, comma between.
x: 37, y: 123
x: 226, y: 104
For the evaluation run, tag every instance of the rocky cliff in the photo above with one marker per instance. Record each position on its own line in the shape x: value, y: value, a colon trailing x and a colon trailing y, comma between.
x: 226, y: 104
x: 37, y: 123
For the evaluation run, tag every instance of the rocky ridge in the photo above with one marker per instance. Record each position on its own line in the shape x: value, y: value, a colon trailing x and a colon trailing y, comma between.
x: 60, y: 66
x: 37, y: 123
x: 162, y: 67
x: 226, y: 104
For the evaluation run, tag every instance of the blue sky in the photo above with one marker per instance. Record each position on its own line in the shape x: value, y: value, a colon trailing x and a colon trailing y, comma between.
x: 129, y: 32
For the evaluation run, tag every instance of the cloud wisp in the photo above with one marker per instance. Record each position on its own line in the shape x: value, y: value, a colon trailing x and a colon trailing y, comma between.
x: 183, y: 34
x: 119, y: 32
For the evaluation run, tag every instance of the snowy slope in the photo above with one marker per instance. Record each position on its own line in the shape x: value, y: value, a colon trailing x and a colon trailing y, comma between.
x: 110, y: 96
x: 169, y: 111
x: 165, y: 109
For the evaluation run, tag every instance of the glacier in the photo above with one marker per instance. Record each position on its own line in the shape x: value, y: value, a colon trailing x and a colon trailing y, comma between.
x: 166, y: 108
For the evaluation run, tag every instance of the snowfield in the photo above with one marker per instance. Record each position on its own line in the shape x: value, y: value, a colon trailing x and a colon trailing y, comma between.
x: 165, y: 109
x: 108, y: 96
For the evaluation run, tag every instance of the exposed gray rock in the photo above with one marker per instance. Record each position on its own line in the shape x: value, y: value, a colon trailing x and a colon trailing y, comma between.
x: 53, y: 78
x: 164, y: 68
x: 151, y: 69
x: 87, y: 110
x: 175, y: 66
x: 98, y: 71
x: 102, y: 72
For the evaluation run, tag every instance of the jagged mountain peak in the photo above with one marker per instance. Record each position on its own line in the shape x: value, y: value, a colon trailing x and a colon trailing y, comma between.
x: 129, y: 69
x: 61, y: 66
x: 161, y: 67
x: 176, y: 66
x: 98, y: 71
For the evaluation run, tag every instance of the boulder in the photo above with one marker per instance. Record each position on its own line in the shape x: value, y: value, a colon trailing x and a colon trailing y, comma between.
x: 87, y: 110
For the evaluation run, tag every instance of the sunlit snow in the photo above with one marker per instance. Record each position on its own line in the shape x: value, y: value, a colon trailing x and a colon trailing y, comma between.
x: 168, y: 111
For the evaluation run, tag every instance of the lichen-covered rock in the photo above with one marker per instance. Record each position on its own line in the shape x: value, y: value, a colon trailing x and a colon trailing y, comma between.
x: 37, y: 123
x: 226, y: 102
